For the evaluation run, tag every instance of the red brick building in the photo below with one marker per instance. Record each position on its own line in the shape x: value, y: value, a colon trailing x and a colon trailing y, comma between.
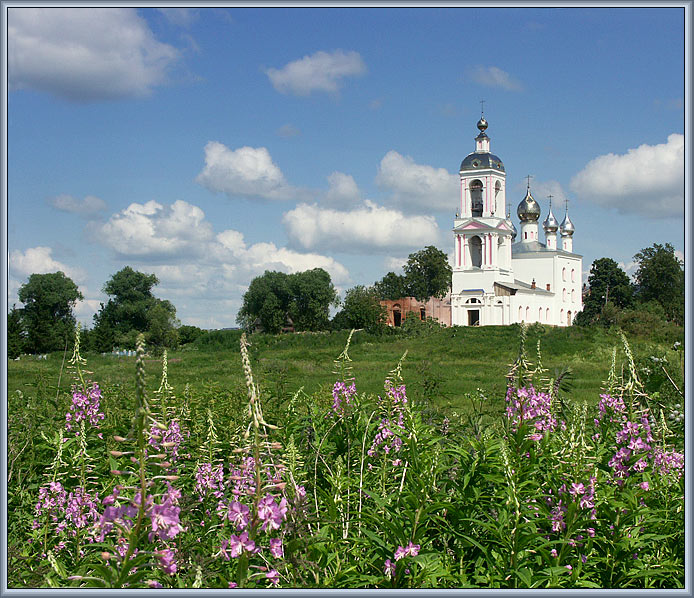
x: 399, y: 310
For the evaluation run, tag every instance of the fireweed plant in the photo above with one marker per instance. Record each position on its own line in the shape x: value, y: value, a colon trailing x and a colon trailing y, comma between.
x: 223, y: 488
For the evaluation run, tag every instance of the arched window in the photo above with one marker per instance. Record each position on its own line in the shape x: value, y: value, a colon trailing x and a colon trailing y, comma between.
x: 539, y: 315
x: 561, y: 316
x: 520, y: 312
x: 527, y: 314
x: 476, y: 251
x: 397, y: 315
x: 563, y: 274
x: 476, y: 199
x: 573, y: 295
x: 563, y: 295
x: 573, y: 275
x: 568, y: 318
x: 497, y: 189
x: 547, y: 315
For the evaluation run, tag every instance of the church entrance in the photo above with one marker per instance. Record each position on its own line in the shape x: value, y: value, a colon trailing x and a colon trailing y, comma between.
x: 473, y: 317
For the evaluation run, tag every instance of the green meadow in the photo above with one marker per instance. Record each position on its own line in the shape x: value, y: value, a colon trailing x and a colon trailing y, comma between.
x: 443, y: 366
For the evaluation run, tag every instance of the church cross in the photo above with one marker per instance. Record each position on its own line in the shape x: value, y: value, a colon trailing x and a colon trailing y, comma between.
x: 482, y: 104
x: 550, y: 199
x: 529, y: 177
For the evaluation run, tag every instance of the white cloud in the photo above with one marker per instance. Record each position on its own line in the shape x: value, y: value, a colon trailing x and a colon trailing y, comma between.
x: 647, y: 180
x: 152, y: 230
x: 198, y: 269
x: 39, y: 260
x: 88, y: 207
x: 369, y: 228
x: 418, y: 187
x: 493, y: 76
x: 245, y: 172
x: 343, y: 189
x: 321, y: 71
x: 394, y: 264
x: 85, y: 54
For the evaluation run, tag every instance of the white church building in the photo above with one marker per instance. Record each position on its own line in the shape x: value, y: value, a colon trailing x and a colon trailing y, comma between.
x: 500, y: 276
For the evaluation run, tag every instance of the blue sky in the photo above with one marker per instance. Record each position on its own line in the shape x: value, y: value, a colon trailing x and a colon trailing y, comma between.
x: 208, y: 145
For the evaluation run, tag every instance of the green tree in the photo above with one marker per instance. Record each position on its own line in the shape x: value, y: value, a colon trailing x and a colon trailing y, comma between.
x: 361, y: 309
x: 312, y: 295
x: 305, y: 297
x: 391, y: 287
x: 131, y: 309
x: 161, y: 331
x: 428, y: 274
x: 16, y: 336
x: 188, y: 334
x: 608, y: 284
x: 47, y: 315
x: 660, y: 277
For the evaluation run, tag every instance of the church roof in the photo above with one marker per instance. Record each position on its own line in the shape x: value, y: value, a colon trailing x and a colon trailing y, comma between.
x: 535, y: 247
x: 477, y: 160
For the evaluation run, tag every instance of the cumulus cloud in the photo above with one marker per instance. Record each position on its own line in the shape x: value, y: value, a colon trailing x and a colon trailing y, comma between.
x: 418, y: 187
x: 85, y: 54
x: 343, y: 189
x: 200, y: 269
x: 492, y: 76
x: 647, y: 180
x: 39, y: 260
x: 154, y: 231
x: 245, y: 172
x: 88, y: 207
x: 321, y: 71
x: 368, y: 228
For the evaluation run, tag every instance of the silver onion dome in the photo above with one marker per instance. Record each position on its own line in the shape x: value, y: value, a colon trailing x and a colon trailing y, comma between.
x: 528, y: 209
x: 482, y: 124
x: 551, y: 224
x: 567, y: 227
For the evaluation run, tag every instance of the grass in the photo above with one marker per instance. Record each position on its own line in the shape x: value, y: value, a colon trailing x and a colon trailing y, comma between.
x: 442, y: 366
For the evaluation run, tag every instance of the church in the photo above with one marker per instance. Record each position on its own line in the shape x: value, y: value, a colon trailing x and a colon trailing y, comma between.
x: 501, y: 276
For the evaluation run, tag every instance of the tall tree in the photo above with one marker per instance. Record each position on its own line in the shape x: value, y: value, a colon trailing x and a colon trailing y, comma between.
x: 16, y: 335
x: 312, y: 295
x: 47, y: 314
x: 660, y: 277
x: 392, y: 286
x: 361, y: 309
x: 428, y: 274
x: 131, y: 309
x: 305, y: 297
x: 608, y: 283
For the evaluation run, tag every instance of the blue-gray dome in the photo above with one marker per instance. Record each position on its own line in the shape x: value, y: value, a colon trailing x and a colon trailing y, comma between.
x: 482, y: 160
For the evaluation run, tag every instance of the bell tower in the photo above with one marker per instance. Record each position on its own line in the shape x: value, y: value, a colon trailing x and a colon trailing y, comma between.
x: 482, y: 229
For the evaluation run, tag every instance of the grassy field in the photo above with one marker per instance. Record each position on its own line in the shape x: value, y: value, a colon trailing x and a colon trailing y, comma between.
x: 443, y: 366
